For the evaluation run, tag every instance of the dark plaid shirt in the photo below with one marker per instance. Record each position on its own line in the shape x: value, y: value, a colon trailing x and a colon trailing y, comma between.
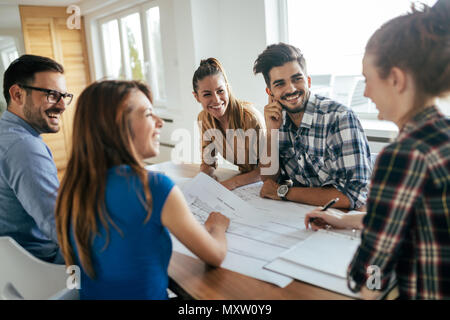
x: 329, y: 148
x: 407, y: 226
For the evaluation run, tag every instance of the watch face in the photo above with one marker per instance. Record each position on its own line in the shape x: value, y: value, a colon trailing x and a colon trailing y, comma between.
x: 282, y: 190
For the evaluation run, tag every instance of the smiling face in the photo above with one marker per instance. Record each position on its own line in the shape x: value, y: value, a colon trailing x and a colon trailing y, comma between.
x: 212, y: 94
x: 145, y: 125
x: 290, y: 86
x: 44, y: 116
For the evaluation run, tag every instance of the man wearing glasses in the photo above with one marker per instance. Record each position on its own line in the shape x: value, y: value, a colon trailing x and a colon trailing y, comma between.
x: 35, y: 91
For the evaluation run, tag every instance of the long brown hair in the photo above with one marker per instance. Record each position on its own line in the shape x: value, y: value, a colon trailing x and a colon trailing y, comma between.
x: 102, y: 138
x: 235, y: 109
x: 417, y: 42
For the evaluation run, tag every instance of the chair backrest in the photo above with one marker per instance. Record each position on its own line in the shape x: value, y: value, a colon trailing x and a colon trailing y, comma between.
x: 24, y: 276
x: 322, y: 84
x: 321, y: 79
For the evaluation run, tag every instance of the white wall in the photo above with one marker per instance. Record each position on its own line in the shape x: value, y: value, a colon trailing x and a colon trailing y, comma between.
x: 232, y: 31
x: 242, y: 36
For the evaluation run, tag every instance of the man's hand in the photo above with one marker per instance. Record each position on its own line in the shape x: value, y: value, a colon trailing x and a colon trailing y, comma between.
x: 269, y: 190
x: 273, y: 115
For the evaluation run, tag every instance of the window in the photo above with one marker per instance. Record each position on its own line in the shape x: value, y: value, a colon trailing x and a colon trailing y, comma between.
x: 156, y: 57
x: 111, y: 44
x: 133, y: 51
x: 132, y: 48
x: 332, y: 35
x: 9, y: 55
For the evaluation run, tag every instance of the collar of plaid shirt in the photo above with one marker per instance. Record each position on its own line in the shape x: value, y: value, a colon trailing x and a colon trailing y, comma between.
x: 424, y: 115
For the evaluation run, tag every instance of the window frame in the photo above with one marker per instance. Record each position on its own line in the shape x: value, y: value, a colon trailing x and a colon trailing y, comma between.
x: 5, y: 52
x: 141, y: 9
x: 146, y: 45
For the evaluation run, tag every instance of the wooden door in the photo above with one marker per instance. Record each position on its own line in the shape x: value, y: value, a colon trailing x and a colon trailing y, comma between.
x: 46, y: 34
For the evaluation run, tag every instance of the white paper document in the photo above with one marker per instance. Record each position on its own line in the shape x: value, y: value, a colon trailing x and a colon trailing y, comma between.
x: 286, y: 212
x: 254, y: 238
x: 322, y: 259
x: 324, y: 251
x: 267, y: 239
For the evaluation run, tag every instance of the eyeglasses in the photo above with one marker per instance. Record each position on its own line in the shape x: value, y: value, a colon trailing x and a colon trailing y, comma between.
x: 53, y: 96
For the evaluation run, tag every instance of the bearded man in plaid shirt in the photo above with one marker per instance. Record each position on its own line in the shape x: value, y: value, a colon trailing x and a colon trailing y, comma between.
x: 322, y: 147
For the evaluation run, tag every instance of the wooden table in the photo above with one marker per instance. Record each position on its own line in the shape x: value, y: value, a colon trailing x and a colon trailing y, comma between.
x: 200, y: 281
x: 196, y: 280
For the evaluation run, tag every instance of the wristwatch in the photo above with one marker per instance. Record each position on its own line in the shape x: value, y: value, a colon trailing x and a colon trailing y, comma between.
x: 282, y: 191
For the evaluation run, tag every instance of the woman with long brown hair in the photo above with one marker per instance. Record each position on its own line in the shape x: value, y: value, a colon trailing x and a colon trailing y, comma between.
x: 113, y: 217
x: 228, y: 126
x: 407, y: 226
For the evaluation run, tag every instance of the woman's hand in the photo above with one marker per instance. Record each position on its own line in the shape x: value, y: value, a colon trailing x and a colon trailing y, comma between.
x: 210, y: 171
x: 368, y: 294
x: 335, y: 218
x: 217, y: 222
x: 230, y: 184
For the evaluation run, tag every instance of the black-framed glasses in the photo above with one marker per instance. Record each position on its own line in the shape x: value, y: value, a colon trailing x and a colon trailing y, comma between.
x: 53, y: 96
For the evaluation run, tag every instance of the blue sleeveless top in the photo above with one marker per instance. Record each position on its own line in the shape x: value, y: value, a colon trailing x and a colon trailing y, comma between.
x: 134, y: 264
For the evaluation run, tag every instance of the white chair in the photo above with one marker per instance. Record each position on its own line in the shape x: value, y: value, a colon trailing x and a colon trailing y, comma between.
x: 23, y: 276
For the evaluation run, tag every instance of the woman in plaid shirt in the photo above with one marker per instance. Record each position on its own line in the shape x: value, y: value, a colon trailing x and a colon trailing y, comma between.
x: 407, y: 226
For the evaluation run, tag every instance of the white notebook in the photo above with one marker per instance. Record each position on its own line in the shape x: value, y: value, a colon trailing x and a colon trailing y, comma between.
x: 325, y: 251
x: 321, y: 259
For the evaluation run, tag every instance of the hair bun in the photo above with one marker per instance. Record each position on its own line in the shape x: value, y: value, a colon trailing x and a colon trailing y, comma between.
x: 441, y: 6
x: 204, y: 62
x: 209, y: 61
x: 440, y: 14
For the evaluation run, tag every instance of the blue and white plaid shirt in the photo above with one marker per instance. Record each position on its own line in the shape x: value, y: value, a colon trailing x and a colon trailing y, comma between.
x: 328, y: 149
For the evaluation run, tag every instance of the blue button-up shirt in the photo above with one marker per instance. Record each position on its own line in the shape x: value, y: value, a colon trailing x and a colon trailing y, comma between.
x: 28, y: 189
x: 329, y: 148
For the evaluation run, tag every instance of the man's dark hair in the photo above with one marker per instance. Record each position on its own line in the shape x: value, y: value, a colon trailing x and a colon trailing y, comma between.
x: 23, y: 69
x: 277, y: 55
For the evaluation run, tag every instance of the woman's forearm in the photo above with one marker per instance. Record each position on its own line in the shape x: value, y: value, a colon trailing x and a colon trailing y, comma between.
x: 354, y: 219
x: 207, y: 169
x: 242, y: 179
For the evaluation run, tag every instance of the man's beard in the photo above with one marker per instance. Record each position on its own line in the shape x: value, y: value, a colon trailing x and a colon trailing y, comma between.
x: 301, y: 108
x: 35, y: 119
